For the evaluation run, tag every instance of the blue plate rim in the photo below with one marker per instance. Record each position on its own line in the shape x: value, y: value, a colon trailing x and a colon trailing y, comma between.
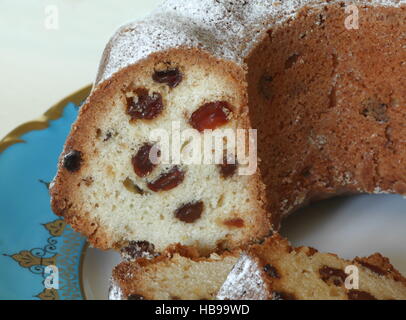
x: 53, y: 113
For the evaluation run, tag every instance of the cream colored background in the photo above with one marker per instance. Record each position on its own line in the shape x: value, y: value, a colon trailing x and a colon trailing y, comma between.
x: 38, y: 66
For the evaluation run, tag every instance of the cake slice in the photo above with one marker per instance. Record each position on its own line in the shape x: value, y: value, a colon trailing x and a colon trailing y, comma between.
x: 276, y: 271
x: 121, y: 180
x: 272, y: 270
x: 179, y: 274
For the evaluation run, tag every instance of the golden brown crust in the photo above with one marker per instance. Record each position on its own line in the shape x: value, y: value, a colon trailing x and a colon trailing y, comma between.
x: 333, y: 119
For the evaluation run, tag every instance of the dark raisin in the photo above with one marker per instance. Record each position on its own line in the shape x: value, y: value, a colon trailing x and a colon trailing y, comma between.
x: 360, y: 295
x: 329, y: 274
x: 311, y: 251
x: 138, y: 249
x: 132, y: 187
x: 142, y: 163
x: 227, y: 168
x: 372, y: 267
x: 72, y: 160
x: 271, y: 271
x: 168, y: 180
x: 135, y: 297
x: 172, y: 77
x: 278, y: 295
x: 189, y: 212
x: 211, y: 115
x: 144, y: 106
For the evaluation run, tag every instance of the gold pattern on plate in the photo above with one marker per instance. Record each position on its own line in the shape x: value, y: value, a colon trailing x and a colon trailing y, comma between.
x: 56, y: 227
x: 26, y: 259
x: 48, y: 294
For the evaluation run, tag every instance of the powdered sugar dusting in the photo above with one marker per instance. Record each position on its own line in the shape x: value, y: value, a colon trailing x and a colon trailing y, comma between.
x: 228, y: 29
x: 244, y: 281
x: 115, y: 292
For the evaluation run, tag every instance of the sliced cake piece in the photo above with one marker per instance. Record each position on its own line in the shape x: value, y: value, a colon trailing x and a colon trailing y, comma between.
x: 272, y: 270
x: 121, y: 180
x: 276, y: 271
x: 182, y: 275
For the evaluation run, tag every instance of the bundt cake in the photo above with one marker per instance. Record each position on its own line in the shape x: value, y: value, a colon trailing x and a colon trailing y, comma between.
x: 276, y: 271
x: 272, y: 270
x: 322, y: 82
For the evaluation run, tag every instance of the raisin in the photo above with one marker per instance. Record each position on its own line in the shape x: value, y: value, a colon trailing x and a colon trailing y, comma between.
x: 172, y: 77
x: 189, y: 212
x: 168, y: 180
x: 145, y: 106
x: 211, y: 115
x: 271, y: 271
x: 72, y: 160
x: 311, y: 251
x: 337, y: 276
x: 228, y: 169
x: 135, y: 297
x: 372, y: 267
x: 142, y: 163
x: 360, y: 295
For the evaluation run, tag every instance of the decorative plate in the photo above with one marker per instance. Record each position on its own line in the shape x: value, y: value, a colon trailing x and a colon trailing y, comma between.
x: 32, y: 238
